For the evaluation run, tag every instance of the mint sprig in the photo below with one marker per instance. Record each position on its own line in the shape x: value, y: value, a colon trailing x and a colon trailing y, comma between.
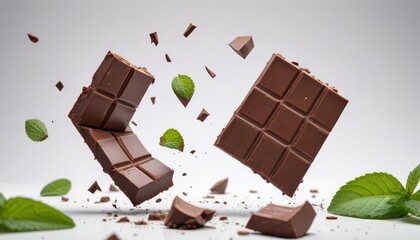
x: 172, y: 139
x: 378, y: 196
x: 36, y: 130
x: 58, y: 187
x: 23, y: 214
x: 183, y: 86
x: 2, y: 201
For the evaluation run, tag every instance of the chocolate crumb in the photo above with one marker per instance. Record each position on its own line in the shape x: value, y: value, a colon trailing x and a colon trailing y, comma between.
x: 253, y: 191
x: 243, y: 233
x: 154, y: 38
x: 64, y: 199
x: 192, y: 151
x: 33, y: 38
x: 208, y: 196
x: 185, y: 194
x: 184, y: 174
x: 153, y: 99
x: 103, y: 199
x: 134, y: 123
x: 115, y: 206
x: 94, y: 187
x: 140, y: 222
x: 113, y: 237
x: 223, y: 218
x: 210, y: 72
x: 168, y: 59
x: 331, y: 217
x: 59, y: 86
x: 123, y: 219
x: 158, y: 200
x: 313, y: 190
x: 157, y: 217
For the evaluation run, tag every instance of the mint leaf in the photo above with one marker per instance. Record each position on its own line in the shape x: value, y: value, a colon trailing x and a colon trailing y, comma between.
x: 172, y: 139
x: 23, y: 214
x: 412, y: 180
x: 2, y: 200
x: 183, y: 86
x: 415, y: 196
x: 58, y: 187
x: 374, y: 195
x: 413, y: 207
x: 36, y: 130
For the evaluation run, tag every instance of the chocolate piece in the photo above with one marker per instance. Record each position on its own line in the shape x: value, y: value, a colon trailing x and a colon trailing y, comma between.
x: 113, y: 237
x: 210, y: 72
x: 134, y: 123
x: 59, y: 86
x: 242, y: 45
x: 223, y: 218
x: 281, y: 125
x: 154, y: 38
x: 141, y: 222
x: 253, y: 191
x: 103, y: 199
x: 203, y: 115
x: 33, y: 38
x: 157, y: 217
x: 112, y: 98
x: 158, y: 200
x: 243, y: 233
x: 192, y: 151
x: 168, y: 59
x: 123, y: 219
x: 153, y: 99
x: 94, y: 187
x: 189, y: 30
x: 183, y: 215
x: 331, y: 217
x: 220, y: 186
x: 313, y: 190
x: 64, y: 199
x: 112, y: 188
x: 183, y: 100
x: 283, y: 221
x: 184, y: 174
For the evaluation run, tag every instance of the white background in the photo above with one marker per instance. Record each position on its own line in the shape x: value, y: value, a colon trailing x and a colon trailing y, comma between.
x: 368, y: 49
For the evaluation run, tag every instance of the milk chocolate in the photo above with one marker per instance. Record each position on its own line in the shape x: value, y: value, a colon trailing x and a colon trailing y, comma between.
x: 242, y: 45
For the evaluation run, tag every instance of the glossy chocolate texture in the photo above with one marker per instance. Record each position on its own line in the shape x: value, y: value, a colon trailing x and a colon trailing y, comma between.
x: 242, y: 45
x: 283, y: 221
x: 282, y: 124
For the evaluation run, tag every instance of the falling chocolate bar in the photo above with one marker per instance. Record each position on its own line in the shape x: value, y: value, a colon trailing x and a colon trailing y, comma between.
x: 282, y: 124
x: 242, y: 45
x: 283, y: 221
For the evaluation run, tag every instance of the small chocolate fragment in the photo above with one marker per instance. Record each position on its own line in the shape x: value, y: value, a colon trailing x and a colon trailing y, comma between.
x: 134, y: 123
x: 94, y: 187
x: 112, y: 188
x: 157, y: 217
x: 223, y: 218
x: 59, y: 86
x: 158, y: 200
x: 203, y: 115
x: 33, y: 38
x: 123, y: 219
x: 192, y: 151
x: 242, y: 45
x: 113, y: 237
x: 168, y: 59
x: 184, y: 193
x: 331, y: 217
x: 64, y: 199
x: 184, y: 174
x: 253, y: 191
x: 189, y: 30
x: 154, y: 38
x: 243, y: 233
x: 141, y: 222
x: 220, y: 186
x: 210, y: 72
x: 104, y: 199
x: 313, y: 190
x: 153, y: 99
x: 283, y: 221
x: 183, y: 215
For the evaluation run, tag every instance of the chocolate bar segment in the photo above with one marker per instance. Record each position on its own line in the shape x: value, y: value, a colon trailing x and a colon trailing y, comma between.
x: 283, y: 221
x: 282, y: 123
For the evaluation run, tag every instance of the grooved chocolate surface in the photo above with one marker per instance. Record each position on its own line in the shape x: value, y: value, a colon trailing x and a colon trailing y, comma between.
x: 282, y: 123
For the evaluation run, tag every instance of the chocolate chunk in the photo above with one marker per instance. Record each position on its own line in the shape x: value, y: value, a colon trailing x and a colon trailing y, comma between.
x: 33, y: 38
x: 59, y: 86
x: 154, y: 38
x: 158, y: 200
x: 157, y: 217
x: 313, y: 190
x: 189, y: 30
x: 331, y: 217
x: 192, y: 151
x: 141, y: 222
x: 104, y: 199
x: 64, y: 199
x: 242, y: 45
x: 220, y: 186
x: 183, y: 215
x: 112, y: 188
x: 153, y: 99
x: 184, y: 174
x: 223, y: 218
x: 210, y: 72
x: 168, y: 59
x: 113, y: 237
x: 283, y: 221
x: 94, y: 187
x: 134, y: 123
x: 203, y: 115
x: 282, y: 124
x: 123, y: 219
x: 243, y: 233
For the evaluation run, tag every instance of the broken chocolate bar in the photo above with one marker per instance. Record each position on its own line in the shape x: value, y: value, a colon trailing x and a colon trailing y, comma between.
x: 282, y: 123
x: 210, y: 72
x: 189, y: 30
x: 203, y: 115
x: 33, y: 38
x: 220, y: 186
x: 183, y: 215
x: 154, y: 38
x: 242, y: 45
x: 283, y: 221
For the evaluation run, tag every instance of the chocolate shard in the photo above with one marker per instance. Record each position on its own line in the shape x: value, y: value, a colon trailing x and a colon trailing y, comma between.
x: 183, y: 215
x: 242, y: 45
x: 113, y: 237
x: 210, y: 72
x: 283, y: 221
x: 157, y: 217
x: 220, y: 186
x: 153, y: 99
x: 141, y: 222
x: 112, y: 188
x: 203, y: 115
x: 123, y: 219
x: 168, y: 59
x: 59, y: 86
x: 33, y: 38
x: 94, y: 187
x: 189, y: 30
x: 282, y: 123
x: 154, y: 38
x: 183, y: 100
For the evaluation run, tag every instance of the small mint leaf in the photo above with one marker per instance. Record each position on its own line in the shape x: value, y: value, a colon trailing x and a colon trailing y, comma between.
x: 23, y: 214
x: 413, y: 207
x: 58, y: 187
x: 374, y: 196
x: 36, y: 130
x: 183, y: 86
x: 172, y: 139
x: 415, y: 196
x: 412, y: 180
x: 2, y: 200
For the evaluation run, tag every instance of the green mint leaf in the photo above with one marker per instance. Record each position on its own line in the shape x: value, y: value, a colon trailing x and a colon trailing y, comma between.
x: 412, y: 180
x: 36, y: 130
x: 413, y: 207
x: 23, y: 214
x: 172, y: 139
x: 2, y: 200
x: 183, y: 86
x: 58, y: 187
x: 374, y: 196
x: 415, y: 196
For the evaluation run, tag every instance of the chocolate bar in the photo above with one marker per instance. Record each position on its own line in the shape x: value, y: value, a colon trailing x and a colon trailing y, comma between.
x: 283, y: 221
x: 282, y: 123
x: 109, y: 103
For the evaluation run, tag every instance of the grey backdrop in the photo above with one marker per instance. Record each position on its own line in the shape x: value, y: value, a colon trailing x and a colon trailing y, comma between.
x: 369, y: 50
